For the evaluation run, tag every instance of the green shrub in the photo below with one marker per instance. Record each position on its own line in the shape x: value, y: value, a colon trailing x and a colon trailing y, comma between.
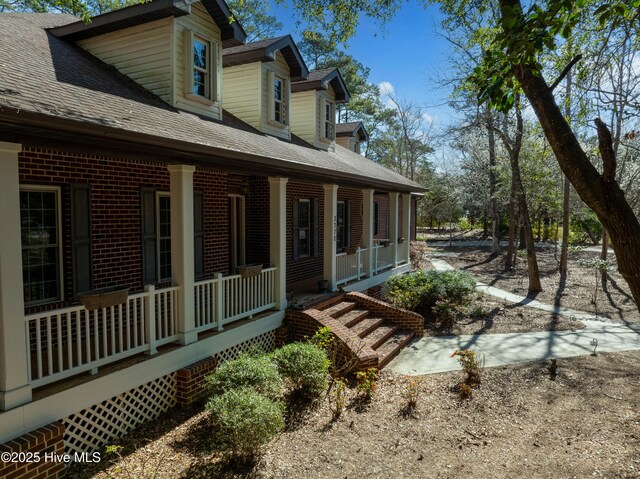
x: 244, y: 420
x: 422, y: 290
x: 258, y: 373
x: 304, y: 366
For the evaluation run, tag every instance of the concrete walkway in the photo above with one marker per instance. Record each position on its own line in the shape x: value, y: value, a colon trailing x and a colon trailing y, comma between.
x: 487, y: 243
x: 433, y: 354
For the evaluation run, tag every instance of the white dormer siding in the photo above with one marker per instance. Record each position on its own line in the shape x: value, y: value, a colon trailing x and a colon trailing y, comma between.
x: 143, y: 53
x: 200, y: 27
x: 248, y: 93
x: 308, y: 117
x: 158, y: 56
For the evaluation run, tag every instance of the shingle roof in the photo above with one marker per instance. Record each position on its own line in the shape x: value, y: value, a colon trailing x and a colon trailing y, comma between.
x: 320, y: 80
x: 351, y: 128
x: 55, y: 86
x: 265, y: 50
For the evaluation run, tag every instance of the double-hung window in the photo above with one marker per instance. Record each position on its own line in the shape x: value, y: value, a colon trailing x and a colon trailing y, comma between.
x: 200, y: 68
x: 278, y: 100
x: 306, y: 227
x: 40, y: 231
x: 329, y: 119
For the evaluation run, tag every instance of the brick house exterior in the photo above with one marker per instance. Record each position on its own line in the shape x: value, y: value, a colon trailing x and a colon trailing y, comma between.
x: 193, y: 217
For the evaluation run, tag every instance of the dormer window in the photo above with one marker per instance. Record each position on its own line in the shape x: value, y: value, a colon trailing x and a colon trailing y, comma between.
x: 200, y: 70
x: 280, y: 100
x: 278, y: 86
x: 329, y: 120
x: 201, y: 67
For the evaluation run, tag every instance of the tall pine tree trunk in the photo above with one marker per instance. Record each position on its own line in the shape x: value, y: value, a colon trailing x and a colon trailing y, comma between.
x: 493, y: 201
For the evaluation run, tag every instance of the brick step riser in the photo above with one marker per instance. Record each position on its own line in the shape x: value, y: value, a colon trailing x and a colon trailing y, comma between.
x: 339, y: 309
x: 368, y: 329
x: 352, y: 321
x: 382, y: 339
x: 382, y: 362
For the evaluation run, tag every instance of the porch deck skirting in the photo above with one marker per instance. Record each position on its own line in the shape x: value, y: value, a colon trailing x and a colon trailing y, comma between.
x: 73, y: 340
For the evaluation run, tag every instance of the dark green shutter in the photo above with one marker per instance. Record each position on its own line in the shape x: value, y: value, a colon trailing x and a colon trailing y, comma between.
x: 81, y: 238
x: 148, y: 214
x: 347, y: 224
x: 376, y: 218
x: 316, y: 226
x: 198, y: 233
x: 296, y: 229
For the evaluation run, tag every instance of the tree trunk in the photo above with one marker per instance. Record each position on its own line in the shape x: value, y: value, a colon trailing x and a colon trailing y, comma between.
x: 513, y: 223
x: 600, y: 192
x: 564, y: 253
x: 493, y: 201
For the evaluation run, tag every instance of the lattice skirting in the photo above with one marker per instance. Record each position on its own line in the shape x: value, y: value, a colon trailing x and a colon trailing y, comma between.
x: 91, y: 428
x: 265, y: 342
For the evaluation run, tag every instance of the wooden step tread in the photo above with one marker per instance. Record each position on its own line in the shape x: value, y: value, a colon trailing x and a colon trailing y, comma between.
x: 379, y: 335
x: 392, y: 346
x: 340, y: 309
x: 367, y: 325
x: 353, y: 317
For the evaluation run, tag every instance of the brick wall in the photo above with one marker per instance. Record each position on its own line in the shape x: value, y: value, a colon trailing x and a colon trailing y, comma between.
x: 46, y: 440
x: 310, y: 266
x: 191, y: 381
x: 115, y: 212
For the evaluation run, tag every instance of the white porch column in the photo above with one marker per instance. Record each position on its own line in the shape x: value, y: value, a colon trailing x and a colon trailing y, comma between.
x: 278, y: 236
x: 393, y: 226
x: 15, y: 389
x: 367, y: 229
x: 182, y: 248
x: 330, y: 219
x: 406, y: 224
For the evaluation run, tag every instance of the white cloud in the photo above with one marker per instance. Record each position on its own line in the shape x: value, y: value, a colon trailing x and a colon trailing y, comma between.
x: 386, y: 88
x: 427, y: 118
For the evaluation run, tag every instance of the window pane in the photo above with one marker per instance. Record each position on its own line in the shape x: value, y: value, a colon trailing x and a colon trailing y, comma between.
x: 199, y: 80
x: 303, y: 214
x: 277, y: 93
x: 39, y: 220
x: 200, y: 54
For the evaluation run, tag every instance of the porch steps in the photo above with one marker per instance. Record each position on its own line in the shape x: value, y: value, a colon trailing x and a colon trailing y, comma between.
x: 380, y: 335
x: 340, y: 309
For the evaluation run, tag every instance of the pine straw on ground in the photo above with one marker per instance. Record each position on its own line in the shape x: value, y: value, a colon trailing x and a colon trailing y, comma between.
x: 519, y: 423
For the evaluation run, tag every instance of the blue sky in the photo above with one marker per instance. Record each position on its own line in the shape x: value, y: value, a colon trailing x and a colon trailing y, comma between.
x: 407, y: 53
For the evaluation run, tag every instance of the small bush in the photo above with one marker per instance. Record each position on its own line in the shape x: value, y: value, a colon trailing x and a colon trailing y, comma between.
x: 472, y: 369
x: 244, y: 420
x: 367, y: 381
x: 339, y: 396
x: 304, y: 366
x: 421, y: 291
x: 257, y: 373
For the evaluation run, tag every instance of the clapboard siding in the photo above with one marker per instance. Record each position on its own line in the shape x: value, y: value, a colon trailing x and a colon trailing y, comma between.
x: 281, y: 69
x: 241, y: 93
x: 201, y: 24
x: 143, y: 53
x: 304, y: 115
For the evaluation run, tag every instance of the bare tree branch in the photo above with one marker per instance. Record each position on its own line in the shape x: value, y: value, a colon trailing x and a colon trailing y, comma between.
x: 564, y: 72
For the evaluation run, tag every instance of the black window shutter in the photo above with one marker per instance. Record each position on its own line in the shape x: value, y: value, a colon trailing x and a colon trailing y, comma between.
x: 198, y: 233
x: 388, y: 227
x: 347, y: 223
x: 81, y: 238
x: 316, y: 227
x: 148, y: 213
x: 376, y: 218
x: 296, y: 229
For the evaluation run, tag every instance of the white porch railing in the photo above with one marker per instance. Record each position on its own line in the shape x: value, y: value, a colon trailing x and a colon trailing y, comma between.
x: 351, y: 267
x: 224, y: 299
x: 68, y: 341
x: 401, y: 255
x: 383, y: 257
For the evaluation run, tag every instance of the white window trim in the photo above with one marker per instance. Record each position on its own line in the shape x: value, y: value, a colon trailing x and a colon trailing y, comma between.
x: 58, y: 191
x: 161, y: 194
x: 286, y: 97
x: 321, y: 133
x: 212, y: 98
